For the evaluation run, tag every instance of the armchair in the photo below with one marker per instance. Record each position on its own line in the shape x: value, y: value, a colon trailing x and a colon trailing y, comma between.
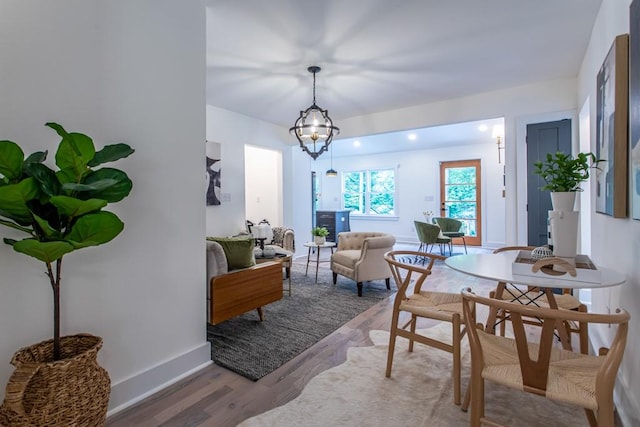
x: 360, y: 257
x: 285, y: 238
x: 429, y: 235
x: 451, y: 228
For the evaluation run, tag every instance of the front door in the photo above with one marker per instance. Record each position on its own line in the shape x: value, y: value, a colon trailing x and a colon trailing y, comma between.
x: 460, y: 196
x: 542, y: 138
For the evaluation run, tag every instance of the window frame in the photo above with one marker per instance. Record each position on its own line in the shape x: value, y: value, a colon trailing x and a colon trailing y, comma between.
x: 367, y: 193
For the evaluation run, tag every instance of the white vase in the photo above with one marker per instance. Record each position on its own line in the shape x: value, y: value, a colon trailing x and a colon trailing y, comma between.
x: 319, y: 240
x: 564, y: 233
x: 563, y: 200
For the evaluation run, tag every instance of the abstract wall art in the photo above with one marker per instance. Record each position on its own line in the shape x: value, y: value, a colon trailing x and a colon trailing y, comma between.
x: 612, y: 130
x: 213, y: 172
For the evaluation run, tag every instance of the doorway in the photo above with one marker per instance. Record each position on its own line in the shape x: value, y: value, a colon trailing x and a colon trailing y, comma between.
x: 263, y: 184
x: 460, y: 196
x: 542, y: 138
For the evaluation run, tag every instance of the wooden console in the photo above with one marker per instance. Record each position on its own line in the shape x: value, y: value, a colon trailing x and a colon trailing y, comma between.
x: 239, y: 291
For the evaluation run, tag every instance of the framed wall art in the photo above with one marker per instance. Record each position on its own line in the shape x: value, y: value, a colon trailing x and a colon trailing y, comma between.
x: 213, y: 172
x: 612, y: 119
x: 634, y: 106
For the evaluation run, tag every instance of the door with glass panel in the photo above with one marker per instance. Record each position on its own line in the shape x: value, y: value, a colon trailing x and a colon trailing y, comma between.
x: 460, y: 196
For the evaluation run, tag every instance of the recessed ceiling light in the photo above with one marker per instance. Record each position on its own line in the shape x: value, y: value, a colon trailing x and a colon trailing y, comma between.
x: 356, y: 143
x: 483, y: 128
x: 412, y: 137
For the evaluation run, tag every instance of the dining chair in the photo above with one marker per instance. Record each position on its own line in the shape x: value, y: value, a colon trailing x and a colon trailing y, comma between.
x: 535, y: 296
x: 419, y: 303
x: 532, y: 364
x: 451, y: 228
x: 429, y: 235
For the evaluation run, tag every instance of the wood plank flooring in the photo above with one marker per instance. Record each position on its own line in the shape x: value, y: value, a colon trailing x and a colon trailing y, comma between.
x: 218, y: 397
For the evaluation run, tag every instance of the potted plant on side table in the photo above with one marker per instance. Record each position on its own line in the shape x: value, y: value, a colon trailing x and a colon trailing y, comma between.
x: 319, y: 235
x: 563, y: 174
x: 59, y: 382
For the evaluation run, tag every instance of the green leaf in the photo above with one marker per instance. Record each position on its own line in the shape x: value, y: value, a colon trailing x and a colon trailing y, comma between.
x: 114, y: 192
x: 37, y: 157
x: 9, y: 242
x: 72, y: 207
x: 94, y: 186
x: 14, y: 198
x: 11, y: 158
x: 45, y: 177
x: 111, y: 153
x: 49, y: 232
x: 44, y: 251
x: 74, y: 152
x: 95, y: 229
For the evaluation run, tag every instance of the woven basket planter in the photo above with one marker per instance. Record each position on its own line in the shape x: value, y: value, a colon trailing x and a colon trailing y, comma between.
x: 73, y: 391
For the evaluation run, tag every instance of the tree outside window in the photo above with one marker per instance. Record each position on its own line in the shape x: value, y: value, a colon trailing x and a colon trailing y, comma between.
x: 370, y: 192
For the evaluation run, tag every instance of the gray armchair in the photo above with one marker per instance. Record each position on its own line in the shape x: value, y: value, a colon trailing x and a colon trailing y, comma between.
x: 360, y: 257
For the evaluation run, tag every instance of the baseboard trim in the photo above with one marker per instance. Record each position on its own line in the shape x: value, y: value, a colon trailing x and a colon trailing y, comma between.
x: 132, y: 390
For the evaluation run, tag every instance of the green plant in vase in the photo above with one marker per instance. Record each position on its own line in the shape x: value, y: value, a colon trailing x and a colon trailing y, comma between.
x: 61, y: 211
x: 563, y: 173
x: 320, y: 232
x: 319, y: 235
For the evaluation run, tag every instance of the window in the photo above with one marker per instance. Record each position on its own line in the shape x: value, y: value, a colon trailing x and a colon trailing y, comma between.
x: 370, y: 192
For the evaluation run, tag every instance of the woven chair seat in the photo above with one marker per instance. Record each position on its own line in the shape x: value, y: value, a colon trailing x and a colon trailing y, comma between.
x: 436, y: 305
x: 565, y: 301
x: 572, y: 376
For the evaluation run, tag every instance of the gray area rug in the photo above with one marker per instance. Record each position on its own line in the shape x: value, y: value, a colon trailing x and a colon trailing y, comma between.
x: 314, y: 310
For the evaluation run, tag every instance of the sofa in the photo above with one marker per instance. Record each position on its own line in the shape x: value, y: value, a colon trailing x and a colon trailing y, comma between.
x: 360, y: 257
x: 236, y: 284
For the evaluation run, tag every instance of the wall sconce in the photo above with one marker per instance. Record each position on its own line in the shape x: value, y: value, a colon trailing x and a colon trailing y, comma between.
x: 498, y: 134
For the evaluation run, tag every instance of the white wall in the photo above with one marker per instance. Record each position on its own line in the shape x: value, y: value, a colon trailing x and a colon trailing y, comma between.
x: 615, y: 242
x: 418, y: 176
x: 118, y: 71
x: 263, y: 185
x: 233, y: 131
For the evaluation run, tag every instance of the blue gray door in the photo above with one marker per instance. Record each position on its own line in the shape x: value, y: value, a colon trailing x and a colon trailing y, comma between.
x: 542, y: 138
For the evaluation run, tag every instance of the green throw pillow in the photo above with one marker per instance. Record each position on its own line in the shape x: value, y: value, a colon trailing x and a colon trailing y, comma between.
x: 239, y: 251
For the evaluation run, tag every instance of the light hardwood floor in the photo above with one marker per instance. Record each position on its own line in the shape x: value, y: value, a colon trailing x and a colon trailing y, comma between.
x: 218, y: 397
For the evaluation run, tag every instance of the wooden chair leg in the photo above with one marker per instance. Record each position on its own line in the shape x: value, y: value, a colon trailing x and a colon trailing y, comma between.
x: 359, y: 284
x: 412, y: 328
x: 260, y: 313
x: 467, y: 398
x: 456, y: 359
x: 583, y: 332
x: 392, y: 343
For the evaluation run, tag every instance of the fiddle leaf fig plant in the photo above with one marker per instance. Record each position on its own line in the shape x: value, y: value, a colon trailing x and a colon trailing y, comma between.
x: 561, y: 172
x: 61, y: 210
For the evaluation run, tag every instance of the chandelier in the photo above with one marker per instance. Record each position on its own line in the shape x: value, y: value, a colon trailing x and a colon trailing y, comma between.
x: 314, y: 128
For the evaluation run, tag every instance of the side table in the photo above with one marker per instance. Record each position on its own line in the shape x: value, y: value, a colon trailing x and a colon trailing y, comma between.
x: 285, y: 260
x: 317, y: 247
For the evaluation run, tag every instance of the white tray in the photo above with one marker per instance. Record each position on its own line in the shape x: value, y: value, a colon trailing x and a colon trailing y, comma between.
x: 586, y: 271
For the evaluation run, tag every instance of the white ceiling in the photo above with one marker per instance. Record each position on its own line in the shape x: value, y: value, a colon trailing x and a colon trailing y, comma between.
x: 378, y: 55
